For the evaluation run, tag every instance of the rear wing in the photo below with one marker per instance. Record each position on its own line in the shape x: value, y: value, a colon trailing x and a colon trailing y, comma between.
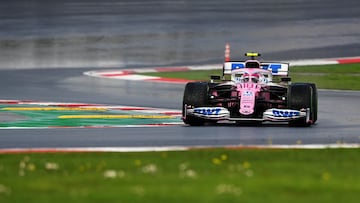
x: 277, y: 69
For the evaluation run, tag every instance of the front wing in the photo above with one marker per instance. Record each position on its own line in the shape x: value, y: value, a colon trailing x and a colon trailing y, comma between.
x: 221, y: 113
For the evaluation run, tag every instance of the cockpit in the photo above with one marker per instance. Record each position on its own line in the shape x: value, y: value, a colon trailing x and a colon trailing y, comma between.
x: 258, y: 76
x: 254, y: 78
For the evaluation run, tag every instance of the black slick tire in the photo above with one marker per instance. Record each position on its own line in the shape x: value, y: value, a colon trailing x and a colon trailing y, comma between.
x: 303, y: 96
x: 195, y: 95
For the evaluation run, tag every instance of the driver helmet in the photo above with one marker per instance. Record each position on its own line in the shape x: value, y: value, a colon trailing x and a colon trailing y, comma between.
x: 253, y: 78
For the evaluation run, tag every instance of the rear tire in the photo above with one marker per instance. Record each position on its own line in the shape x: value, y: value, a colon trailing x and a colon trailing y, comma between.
x: 195, y: 95
x: 303, y: 96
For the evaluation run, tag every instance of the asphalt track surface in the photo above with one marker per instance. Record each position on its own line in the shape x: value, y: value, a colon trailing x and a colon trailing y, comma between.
x: 41, y: 40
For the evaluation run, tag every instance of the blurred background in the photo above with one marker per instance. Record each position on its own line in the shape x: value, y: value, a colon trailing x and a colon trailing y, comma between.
x: 134, y: 33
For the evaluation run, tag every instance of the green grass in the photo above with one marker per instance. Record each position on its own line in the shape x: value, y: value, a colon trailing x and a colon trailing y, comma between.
x: 217, y: 175
x: 342, y: 76
x: 190, y: 75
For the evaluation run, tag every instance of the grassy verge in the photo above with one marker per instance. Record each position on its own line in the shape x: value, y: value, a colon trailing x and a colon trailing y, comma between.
x: 217, y: 175
x: 342, y: 76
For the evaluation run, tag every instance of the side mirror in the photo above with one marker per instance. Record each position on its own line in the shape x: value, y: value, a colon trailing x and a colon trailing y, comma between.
x: 215, y: 77
x: 286, y: 79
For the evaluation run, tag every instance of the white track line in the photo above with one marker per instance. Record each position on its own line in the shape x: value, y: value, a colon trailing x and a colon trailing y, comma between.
x: 172, y: 148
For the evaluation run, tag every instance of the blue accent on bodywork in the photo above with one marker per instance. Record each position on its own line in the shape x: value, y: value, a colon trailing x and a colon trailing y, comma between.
x: 235, y: 66
x: 207, y: 111
x: 285, y: 113
x: 273, y: 67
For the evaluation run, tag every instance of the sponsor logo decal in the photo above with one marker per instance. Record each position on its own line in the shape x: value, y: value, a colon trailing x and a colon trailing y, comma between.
x: 273, y: 67
x: 248, y: 93
x: 235, y: 66
x: 207, y: 111
x: 285, y: 113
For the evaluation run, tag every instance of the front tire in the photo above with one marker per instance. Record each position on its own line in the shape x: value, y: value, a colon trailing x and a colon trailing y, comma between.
x: 195, y: 95
x: 303, y: 96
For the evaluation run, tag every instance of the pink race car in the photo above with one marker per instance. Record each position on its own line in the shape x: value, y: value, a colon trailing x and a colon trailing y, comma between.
x: 250, y: 91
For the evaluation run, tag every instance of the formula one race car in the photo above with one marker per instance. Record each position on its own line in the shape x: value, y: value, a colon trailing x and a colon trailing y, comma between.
x: 247, y: 92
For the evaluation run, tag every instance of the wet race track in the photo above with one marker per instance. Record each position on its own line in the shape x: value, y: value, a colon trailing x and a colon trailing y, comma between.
x: 47, y: 45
